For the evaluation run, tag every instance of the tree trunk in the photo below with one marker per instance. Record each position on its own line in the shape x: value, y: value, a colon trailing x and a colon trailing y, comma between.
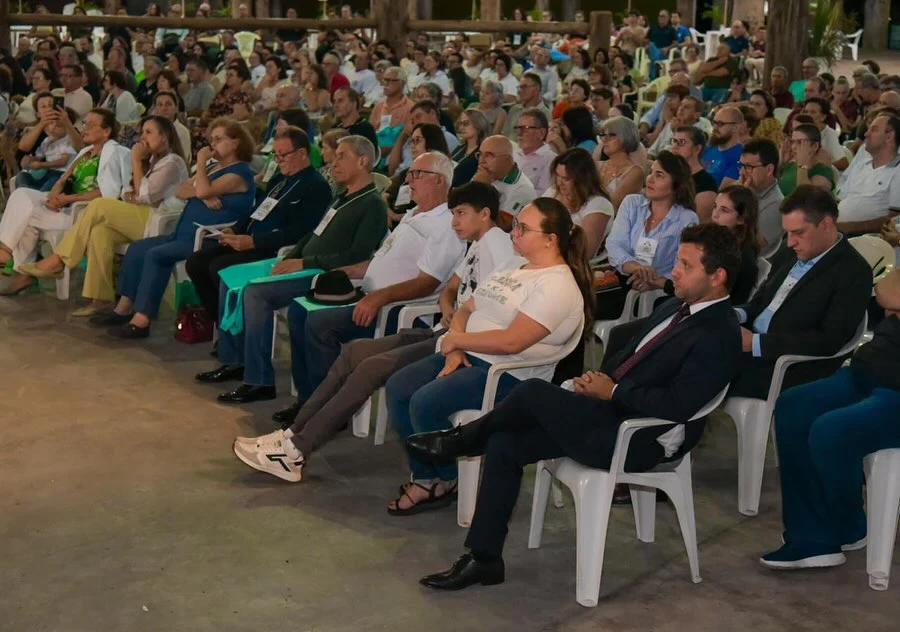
x: 5, y: 39
x: 390, y: 17
x: 490, y: 10
x: 787, y: 38
x: 877, y: 18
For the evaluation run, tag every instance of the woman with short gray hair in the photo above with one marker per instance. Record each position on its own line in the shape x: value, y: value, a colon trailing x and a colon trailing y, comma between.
x: 619, y: 174
x: 472, y: 127
x: 490, y: 100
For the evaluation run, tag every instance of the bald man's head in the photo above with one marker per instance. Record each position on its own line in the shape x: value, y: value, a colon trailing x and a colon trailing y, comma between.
x: 496, y: 156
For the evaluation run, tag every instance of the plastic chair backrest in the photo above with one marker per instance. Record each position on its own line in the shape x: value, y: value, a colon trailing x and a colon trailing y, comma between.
x: 781, y: 115
x: 878, y: 253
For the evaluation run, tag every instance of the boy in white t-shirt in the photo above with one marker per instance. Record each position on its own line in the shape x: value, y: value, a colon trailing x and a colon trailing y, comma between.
x: 365, y: 365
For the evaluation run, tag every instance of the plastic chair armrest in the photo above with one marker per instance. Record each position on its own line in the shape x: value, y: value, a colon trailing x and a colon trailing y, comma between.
x: 410, y: 313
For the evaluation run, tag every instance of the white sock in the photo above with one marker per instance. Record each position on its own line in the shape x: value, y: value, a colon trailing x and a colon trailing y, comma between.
x: 290, y: 449
x: 288, y: 433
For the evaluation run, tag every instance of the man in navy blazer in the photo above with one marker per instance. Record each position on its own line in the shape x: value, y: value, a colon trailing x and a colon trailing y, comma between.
x: 677, y: 360
x: 811, y: 305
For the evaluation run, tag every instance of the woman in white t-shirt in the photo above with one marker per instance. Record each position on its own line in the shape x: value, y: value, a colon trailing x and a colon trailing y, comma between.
x: 526, y: 311
x: 576, y: 184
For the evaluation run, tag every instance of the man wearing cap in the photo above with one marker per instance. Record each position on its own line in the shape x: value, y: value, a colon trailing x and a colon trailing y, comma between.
x: 348, y: 232
x: 414, y: 261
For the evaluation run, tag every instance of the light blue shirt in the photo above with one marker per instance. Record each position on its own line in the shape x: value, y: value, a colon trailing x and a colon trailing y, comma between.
x: 651, y: 117
x: 762, y: 321
x: 452, y: 143
x: 628, y: 229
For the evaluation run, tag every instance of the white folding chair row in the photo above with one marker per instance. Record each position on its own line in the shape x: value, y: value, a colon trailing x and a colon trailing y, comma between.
x: 753, y: 419
x: 593, y: 492
x: 882, y: 510
x: 470, y: 467
x: 410, y: 310
x: 644, y: 302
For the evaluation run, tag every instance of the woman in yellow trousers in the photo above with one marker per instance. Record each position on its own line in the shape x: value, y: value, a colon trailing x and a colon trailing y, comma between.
x: 157, y: 170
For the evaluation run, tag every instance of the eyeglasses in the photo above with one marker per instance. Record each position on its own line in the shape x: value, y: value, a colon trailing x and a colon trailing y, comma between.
x: 391, y: 80
x: 521, y: 229
x: 524, y: 128
x: 724, y: 123
x: 282, y: 157
x: 743, y: 166
x: 415, y: 174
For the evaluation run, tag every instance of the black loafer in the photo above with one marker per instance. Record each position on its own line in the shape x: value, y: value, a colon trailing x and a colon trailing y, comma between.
x: 465, y: 572
x: 129, y: 332
x: 247, y: 393
x: 109, y: 319
x: 440, y: 446
x: 224, y: 373
x: 287, y: 416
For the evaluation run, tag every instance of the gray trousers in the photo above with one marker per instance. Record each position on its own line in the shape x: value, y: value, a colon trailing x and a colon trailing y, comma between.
x: 362, y: 368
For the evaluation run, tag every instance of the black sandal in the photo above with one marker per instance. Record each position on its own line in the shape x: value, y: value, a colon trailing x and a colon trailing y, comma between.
x: 430, y: 503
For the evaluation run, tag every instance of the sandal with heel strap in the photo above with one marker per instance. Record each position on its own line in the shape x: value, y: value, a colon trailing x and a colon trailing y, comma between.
x: 432, y: 502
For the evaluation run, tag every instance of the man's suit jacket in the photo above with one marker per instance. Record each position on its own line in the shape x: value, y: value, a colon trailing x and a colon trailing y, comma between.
x: 682, y: 373
x: 818, y: 317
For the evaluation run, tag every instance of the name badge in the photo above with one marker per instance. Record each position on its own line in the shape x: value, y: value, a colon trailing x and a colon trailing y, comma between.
x: 782, y: 294
x: 385, y: 121
x: 270, y: 170
x: 325, y: 221
x: 646, y: 250
x: 263, y: 210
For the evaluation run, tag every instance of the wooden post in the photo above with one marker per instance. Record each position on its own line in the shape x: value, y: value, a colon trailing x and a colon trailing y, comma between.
x: 687, y: 9
x: 5, y: 38
x: 601, y: 27
x: 787, y: 38
x: 490, y: 9
x: 391, y: 17
x: 261, y: 9
x: 111, y: 6
x: 877, y: 16
x: 568, y: 10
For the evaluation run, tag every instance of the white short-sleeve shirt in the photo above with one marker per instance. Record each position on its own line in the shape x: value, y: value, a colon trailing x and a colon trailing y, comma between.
x: 866, y: 193
x: 515, y: 191
x: 549, y: 296
x: 421, y: 242
x: 832, y: 144
x: 493, y: 251
x: 596, y: 204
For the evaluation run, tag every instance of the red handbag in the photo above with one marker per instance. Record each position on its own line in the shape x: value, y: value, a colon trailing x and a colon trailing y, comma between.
x: 193, y: 325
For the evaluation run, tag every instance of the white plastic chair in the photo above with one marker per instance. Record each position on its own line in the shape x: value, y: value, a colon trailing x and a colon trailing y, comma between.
x: 882, y: 508
x: 697, y: 37
x: 593, y: 492
x: 763, y: 268
x: 781, y: 115
x: 362, y: 417
x: 852, y: 42
x: 753, y: 419
x: 878, y: 253
x: 644, y: 302
x: 470, y: 468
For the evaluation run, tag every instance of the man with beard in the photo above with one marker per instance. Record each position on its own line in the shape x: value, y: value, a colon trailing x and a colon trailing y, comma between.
x: 724, y: 151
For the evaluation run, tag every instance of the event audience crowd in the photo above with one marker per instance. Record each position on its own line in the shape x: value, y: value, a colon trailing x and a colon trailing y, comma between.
x: 522, y: 189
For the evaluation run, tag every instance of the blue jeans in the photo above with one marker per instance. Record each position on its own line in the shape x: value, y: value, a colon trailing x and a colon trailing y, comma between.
x: 252, y: 348
x: 25, y: 180
x: 419, y: 401
x: 823, y: 430
x: 147, y: 267
x: 316, y: 339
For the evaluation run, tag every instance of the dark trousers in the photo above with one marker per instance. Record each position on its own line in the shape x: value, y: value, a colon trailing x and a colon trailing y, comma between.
x: 537, y: 421
x: 823, y: 432
x: 204, y: 265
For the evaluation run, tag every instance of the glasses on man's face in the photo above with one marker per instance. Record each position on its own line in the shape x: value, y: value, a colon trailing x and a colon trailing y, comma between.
x: 719, y: 124
x: 743, y: 166
x: 282, y: 157
x: 391, y: 80
x: 520, y: 229
x: 415, y: 174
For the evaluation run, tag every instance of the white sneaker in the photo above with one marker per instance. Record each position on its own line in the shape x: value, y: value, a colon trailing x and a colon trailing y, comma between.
x: 265, y: 439
x: 271, y: 459
x: 855, y: 546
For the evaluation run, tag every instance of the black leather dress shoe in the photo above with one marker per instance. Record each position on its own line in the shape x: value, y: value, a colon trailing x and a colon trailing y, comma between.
x: 246, y: 393
x: 440, y: 446
x: 287, y: 416
x: 224, y: 373
x: 465, y: 572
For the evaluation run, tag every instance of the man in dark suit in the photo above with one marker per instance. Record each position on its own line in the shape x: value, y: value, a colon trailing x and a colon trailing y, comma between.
x: 811, y: 305
x: 676, y: 362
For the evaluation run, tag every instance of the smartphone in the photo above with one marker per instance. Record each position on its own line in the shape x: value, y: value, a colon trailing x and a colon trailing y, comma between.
x: 59, y: 102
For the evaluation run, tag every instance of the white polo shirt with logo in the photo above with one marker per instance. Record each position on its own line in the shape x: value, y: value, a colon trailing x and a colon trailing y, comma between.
x: 865, y: 193
x: 515, y: 191
x: 421, y: 242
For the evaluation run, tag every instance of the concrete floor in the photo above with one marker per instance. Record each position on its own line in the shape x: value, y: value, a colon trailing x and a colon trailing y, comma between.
x: 125, y: 509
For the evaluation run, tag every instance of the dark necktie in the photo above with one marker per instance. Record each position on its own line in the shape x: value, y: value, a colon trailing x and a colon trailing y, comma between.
x: 683, y: 312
